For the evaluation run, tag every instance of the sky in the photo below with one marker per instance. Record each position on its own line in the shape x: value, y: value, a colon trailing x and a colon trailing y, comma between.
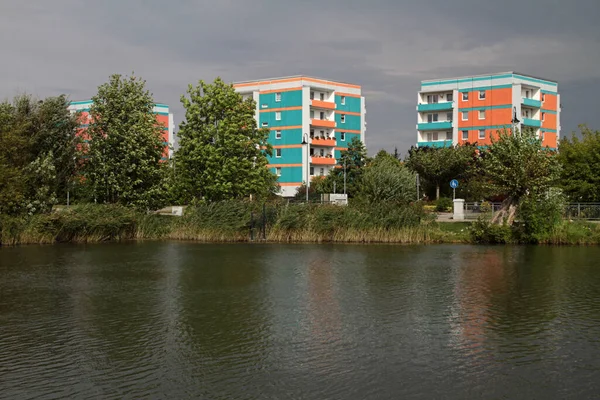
x: 50, y: 47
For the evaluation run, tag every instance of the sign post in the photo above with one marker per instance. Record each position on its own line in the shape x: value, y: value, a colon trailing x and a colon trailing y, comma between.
x: 453, y: 185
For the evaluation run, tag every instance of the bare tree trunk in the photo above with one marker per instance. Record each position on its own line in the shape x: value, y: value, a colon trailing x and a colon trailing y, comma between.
x: 437, y: 191
x: 506, y: 213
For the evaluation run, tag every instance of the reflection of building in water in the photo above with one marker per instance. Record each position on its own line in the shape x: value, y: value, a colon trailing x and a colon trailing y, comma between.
x: 323, y: 303
x: 480, y: 277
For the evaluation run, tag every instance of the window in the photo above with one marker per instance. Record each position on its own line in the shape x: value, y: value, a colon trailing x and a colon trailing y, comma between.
x: 322, y: 96
x: 482, y: 95
x: 343, y: 118
x: 525, y: 113
x: 465, y: 96
x: 277, y: 134
x: 312, y: 114
x: 542, y: 136
x: 312, y: 95
x: 543, y: 96
x: 322, y: 134
x: 278, y: 116
x: 543, y: 116
x: 448, y: 135
x: 278, y: 153
x: 527, y: 94
x: 482, y: 134
x: 321, y: 171
x: 322, y: 152
x: 449, y: 97
x: 278, y: 97
x: 432, y: 118
x: 312, y: 133
x: 264, y: 105
x: 278, y: 171
x: 465, y: 115
x: 321, y: 115
x: 265, y: 124
x: 312, y: 171
x: 481, y: 114
x: 343, y: 136
x: 449, y: 116
x: 465, y: 135
x: 343, y: 100
x: 434, y: 136
x: 432, y: 98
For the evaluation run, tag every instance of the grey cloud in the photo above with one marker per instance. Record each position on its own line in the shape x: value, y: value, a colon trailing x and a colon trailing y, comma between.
x: 387, y: 46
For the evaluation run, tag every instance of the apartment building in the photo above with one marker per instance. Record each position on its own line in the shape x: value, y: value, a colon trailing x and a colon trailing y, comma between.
x: 163, y: 117
x: 311, y: 121
x: 472, y: 109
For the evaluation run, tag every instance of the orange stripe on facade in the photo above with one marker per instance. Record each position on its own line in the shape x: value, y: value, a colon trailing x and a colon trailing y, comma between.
x: 281, y: 90
x: 347, y: 113
x: 289, y: 183
x: 283, y: 165
x: 259, y: 83
x: 281, y: 109
x: 348, y: 94
x: 287, y: 146
x: 283, y: 128
x: 349, y: 131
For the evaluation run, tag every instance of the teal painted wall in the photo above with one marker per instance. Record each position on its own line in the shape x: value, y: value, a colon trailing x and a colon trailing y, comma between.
x: 349, y: 137
x: 288, y: 156
x: 288, y: 99
x: 353, y: 104
x: 288, y: 136
x: 352, y: 122
x: 288, y: 118
x: 289, y: 174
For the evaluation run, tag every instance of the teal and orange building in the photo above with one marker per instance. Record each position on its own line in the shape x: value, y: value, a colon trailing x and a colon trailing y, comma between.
x: 311, y: 121
x: 472, y: 109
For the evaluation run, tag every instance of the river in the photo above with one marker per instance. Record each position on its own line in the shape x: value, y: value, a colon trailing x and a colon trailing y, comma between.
x: 203, y: 321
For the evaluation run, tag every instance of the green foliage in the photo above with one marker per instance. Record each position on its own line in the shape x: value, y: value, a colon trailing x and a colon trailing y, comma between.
x: 444, y: 204
x: 352, y: 161
x: 222, y: 153
x: 580, y: 159
x: 538, y: 216
x: 39, y: 153
x: 439, y: 166
x: 123, y: 164
x: 385, y: 179
x: 484, y: 232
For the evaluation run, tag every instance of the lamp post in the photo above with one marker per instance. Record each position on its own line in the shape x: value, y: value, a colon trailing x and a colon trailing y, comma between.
x: 515, y: 120
x: 305, y: 142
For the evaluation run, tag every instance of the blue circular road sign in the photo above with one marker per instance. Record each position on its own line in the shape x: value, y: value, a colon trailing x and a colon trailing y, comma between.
x: 453, y: 183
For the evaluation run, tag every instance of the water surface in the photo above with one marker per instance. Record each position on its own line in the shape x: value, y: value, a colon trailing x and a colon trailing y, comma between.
x: 187, y: 320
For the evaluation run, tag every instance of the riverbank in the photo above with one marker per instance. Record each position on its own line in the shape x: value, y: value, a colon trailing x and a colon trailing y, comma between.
x: 275, y: 223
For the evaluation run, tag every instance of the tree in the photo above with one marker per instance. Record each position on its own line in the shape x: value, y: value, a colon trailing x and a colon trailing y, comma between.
x: 351, y: 162
x: 517, y: 167
x: 440, y: 165
x: 385, y: 179
x: 40, y: 153
x: 222, y: 153
x: 580, y: 159
x: 125, y: 148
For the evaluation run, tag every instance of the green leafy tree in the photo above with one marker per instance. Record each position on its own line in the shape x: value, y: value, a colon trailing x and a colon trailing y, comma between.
x: 123, y: 163
x: 40, y: 153
x: 518, y: 168
x: 438, y: 166
x: 386, y: 179
x: 222, y: 153
x: 351, y: 162
x: 580, y: 159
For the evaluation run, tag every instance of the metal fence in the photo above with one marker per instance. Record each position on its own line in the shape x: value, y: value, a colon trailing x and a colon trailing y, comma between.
x: 584, y: 211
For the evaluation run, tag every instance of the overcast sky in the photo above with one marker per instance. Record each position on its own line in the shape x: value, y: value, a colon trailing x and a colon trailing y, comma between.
x: 49, y: 47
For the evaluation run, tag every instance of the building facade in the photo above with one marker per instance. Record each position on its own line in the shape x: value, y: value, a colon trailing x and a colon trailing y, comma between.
x: 472, y: 109
x: 163, y: 117
x: 324, y: 115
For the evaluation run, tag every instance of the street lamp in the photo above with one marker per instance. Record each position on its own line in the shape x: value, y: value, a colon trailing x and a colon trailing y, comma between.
x: 305, y: 142
x: 515, y: 120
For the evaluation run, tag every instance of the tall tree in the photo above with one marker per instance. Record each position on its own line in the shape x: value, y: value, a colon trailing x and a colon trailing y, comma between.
x: 440, y: 165
x: 518, y: 168
x: 125, y: 144
x: 385, y: 179
x: 580, y: 159
x: 40, y: 151
x: 222, y: 153
x: 350, y: 164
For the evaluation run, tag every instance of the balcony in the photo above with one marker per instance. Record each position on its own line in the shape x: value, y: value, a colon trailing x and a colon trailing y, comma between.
x: 437, y: 143
x: 435, y: 106
x: 531, y: 102
x: 323, y: 123
x: 434, y: 126
x: 323, y: 104
x: 322, y: 160
x: 317, y: 141
x: 536, y: 123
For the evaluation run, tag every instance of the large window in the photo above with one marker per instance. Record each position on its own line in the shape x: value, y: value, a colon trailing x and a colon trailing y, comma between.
x: 432, y: 118
x: 432, y: 98
x: 482, y: 134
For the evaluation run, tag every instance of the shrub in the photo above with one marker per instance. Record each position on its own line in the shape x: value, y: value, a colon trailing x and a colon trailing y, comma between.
x: 484, y: 232
x: 444, y: 204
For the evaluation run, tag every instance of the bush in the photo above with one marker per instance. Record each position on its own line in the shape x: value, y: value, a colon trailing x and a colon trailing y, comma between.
x: 483, y: 232
x: 538, y: 217
x: 444, y: 204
